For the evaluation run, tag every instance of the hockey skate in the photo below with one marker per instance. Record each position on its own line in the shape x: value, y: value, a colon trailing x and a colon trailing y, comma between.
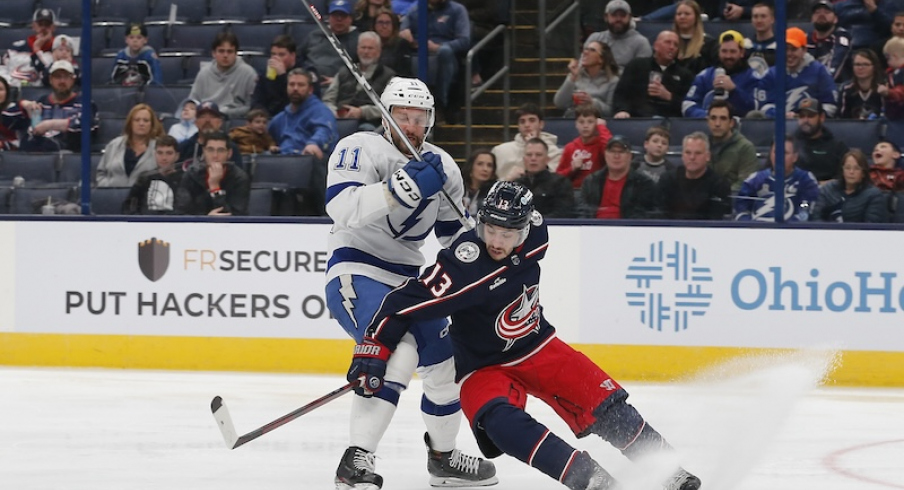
x: 586, y: 469
x: 456, y: 469
x: 356, y: 471
x: 682, y: 480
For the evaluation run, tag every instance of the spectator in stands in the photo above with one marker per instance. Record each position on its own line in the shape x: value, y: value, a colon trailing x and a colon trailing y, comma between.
x: 732, y: 156
x: 624, y: 41
x: 617, y: 191
x: 591, y: 80
x: 885, y: 172
x: 306, y: 126
x: 804, y: 78
x: 859, y: 98
x: 318, y: 52
x: 653, y: 162
x: 186, y: 127
x: 893, y: 90
x: 215, y: 186
x: 253, y: 138
x: 761, y: 54
x: 586, y: 153
x: 448, y: 38
x: 209, y: 120
x: 9, y: 140
x: 694, y: 190
x: 395, y: 52
x: 553, y: 194
x: 270, y: 92
x: 155, y: 192
x: 827, y: 42
x: 736, y: 9
x: 129, y: 156
x: 63, y: 49
x: 347, y: 99
x: 869, y: 21
x: 228, y: 81
x: 653, y: 86
x: 399, y: 7
x: 897, y: 26
x: 819, y: 151
x: 510, y: 155
x: 756, y: 199
x: 28, y: 56
x: 479, y: 174
x: 852, y: 197
x: 54, y: 121
x: 365, y: 12
x: 736, y: 82
x: 137, y: 63
x: 696, y: 49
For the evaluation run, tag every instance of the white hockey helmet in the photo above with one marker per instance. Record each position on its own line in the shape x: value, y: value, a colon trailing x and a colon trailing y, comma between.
x: 408, y: 92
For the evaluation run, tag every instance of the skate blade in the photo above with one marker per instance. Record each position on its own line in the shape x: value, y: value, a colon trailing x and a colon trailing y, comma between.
x: 452, y: 482
x: 360, y: 486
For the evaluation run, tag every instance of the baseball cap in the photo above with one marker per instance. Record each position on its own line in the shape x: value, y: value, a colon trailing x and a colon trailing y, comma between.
x: 823, y: 4
x: 62, y: 65
x: 62, y: 38
x: 731, y: 35
x: 616, y: 5
x: 44, y: 14
x: 209, y: 106
x: 618, y: 140
x: 340, y: 6
x: 136, y: 28
x: 810, y: 105
x: 796, y: 37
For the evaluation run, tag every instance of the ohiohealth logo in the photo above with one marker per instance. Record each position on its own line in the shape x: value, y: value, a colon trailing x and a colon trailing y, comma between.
x: 669, y: 286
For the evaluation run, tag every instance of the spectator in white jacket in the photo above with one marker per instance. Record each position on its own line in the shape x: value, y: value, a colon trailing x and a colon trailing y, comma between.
x: 128, y: 157
x: 510, y: 155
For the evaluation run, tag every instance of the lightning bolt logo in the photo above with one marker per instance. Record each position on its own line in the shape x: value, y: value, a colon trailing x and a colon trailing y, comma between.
x: 347, y: 290
x: 410, y: 222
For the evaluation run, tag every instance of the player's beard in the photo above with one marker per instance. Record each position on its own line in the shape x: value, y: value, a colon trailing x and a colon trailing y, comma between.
x: 415, y: 141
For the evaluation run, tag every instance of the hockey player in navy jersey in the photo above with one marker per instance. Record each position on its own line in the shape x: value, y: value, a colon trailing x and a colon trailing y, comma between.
x: 505, y: 349
x: 384, y: 203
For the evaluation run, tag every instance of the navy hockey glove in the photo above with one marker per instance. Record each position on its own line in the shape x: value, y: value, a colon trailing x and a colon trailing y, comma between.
x: 418, y: 180
x: 368, y: 366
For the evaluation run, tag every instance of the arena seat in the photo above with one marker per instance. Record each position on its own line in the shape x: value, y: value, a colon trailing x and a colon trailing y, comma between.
x: 635, y: 129
x: 110, y: 127
x: 856, y: 133
x: 28, y: 200
x: 191, y: 10
x: 346, y: 127
x: 6, y: 193
x: 165, y: 99
x: 18, y: 12
x: 35, y: 168
x: 127, y: 10
x: 679, y: 127
x: 71, y: 168
x: 260, y: 202
x: 108, y: 200
x: 193, y: 37
x: 115, y: 100
x: 256, y: 38
x: 237, y: 9
x: 292, y: 171
x: 173, y: 68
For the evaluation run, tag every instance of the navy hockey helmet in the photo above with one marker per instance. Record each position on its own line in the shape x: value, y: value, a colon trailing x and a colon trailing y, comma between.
x: 507, y: 205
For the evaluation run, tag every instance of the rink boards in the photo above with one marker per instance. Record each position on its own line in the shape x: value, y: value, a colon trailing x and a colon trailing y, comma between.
x: 646, y: 302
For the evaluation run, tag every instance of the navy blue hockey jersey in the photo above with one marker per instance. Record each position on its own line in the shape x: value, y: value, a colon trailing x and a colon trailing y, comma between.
x: 495, y: 306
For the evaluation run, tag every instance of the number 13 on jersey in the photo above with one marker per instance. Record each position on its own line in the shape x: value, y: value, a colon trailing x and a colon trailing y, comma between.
x: 437, y: 282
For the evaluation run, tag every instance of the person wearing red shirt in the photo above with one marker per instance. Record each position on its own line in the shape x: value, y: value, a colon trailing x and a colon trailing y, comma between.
x: 617, y: 191
x: 584, y: 154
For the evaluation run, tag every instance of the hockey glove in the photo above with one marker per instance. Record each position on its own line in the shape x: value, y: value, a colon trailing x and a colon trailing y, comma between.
x: 418, y: 180
x: 368, y: 366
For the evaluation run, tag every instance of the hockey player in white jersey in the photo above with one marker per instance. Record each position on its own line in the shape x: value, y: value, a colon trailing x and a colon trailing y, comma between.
x: 384, y: 203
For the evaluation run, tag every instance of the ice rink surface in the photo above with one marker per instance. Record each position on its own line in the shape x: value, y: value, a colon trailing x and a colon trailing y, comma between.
x: 751, y: 427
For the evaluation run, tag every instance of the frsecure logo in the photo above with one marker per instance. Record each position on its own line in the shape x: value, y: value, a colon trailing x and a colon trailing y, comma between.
x: 669, y: 287
x: 153, y: 258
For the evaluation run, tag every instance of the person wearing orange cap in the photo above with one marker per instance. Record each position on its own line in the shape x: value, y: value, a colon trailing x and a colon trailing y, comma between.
x: 805, y: 78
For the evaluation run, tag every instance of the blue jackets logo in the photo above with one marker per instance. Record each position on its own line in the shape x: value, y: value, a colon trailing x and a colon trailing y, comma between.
x: 668, y: 286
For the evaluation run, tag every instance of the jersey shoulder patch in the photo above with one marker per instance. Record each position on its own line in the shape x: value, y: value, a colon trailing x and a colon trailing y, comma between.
x: 536, y: 218
x: 467, y: 252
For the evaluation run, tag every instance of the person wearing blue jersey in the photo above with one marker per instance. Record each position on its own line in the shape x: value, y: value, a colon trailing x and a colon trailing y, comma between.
x: 384, y: 203
x: 732, y: 80
x: 804, y: 78
x: 755, y: 200
x: 137, y: 63
x: 505, y: 349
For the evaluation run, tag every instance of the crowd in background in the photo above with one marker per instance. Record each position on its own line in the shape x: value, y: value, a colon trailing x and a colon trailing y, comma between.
x: 713, y: 60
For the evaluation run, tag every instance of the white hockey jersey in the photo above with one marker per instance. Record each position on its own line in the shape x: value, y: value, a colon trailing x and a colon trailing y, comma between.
x: 369, y: 237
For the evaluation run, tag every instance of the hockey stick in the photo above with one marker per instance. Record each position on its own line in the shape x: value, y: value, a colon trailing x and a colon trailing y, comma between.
x: 233, y: 440
x: 372, y: 94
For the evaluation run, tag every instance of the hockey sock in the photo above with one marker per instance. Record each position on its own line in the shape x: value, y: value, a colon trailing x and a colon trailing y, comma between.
x: 517, y: 434
x: 369, y: 419
x: 443, y: 429
x: 622, y: 426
